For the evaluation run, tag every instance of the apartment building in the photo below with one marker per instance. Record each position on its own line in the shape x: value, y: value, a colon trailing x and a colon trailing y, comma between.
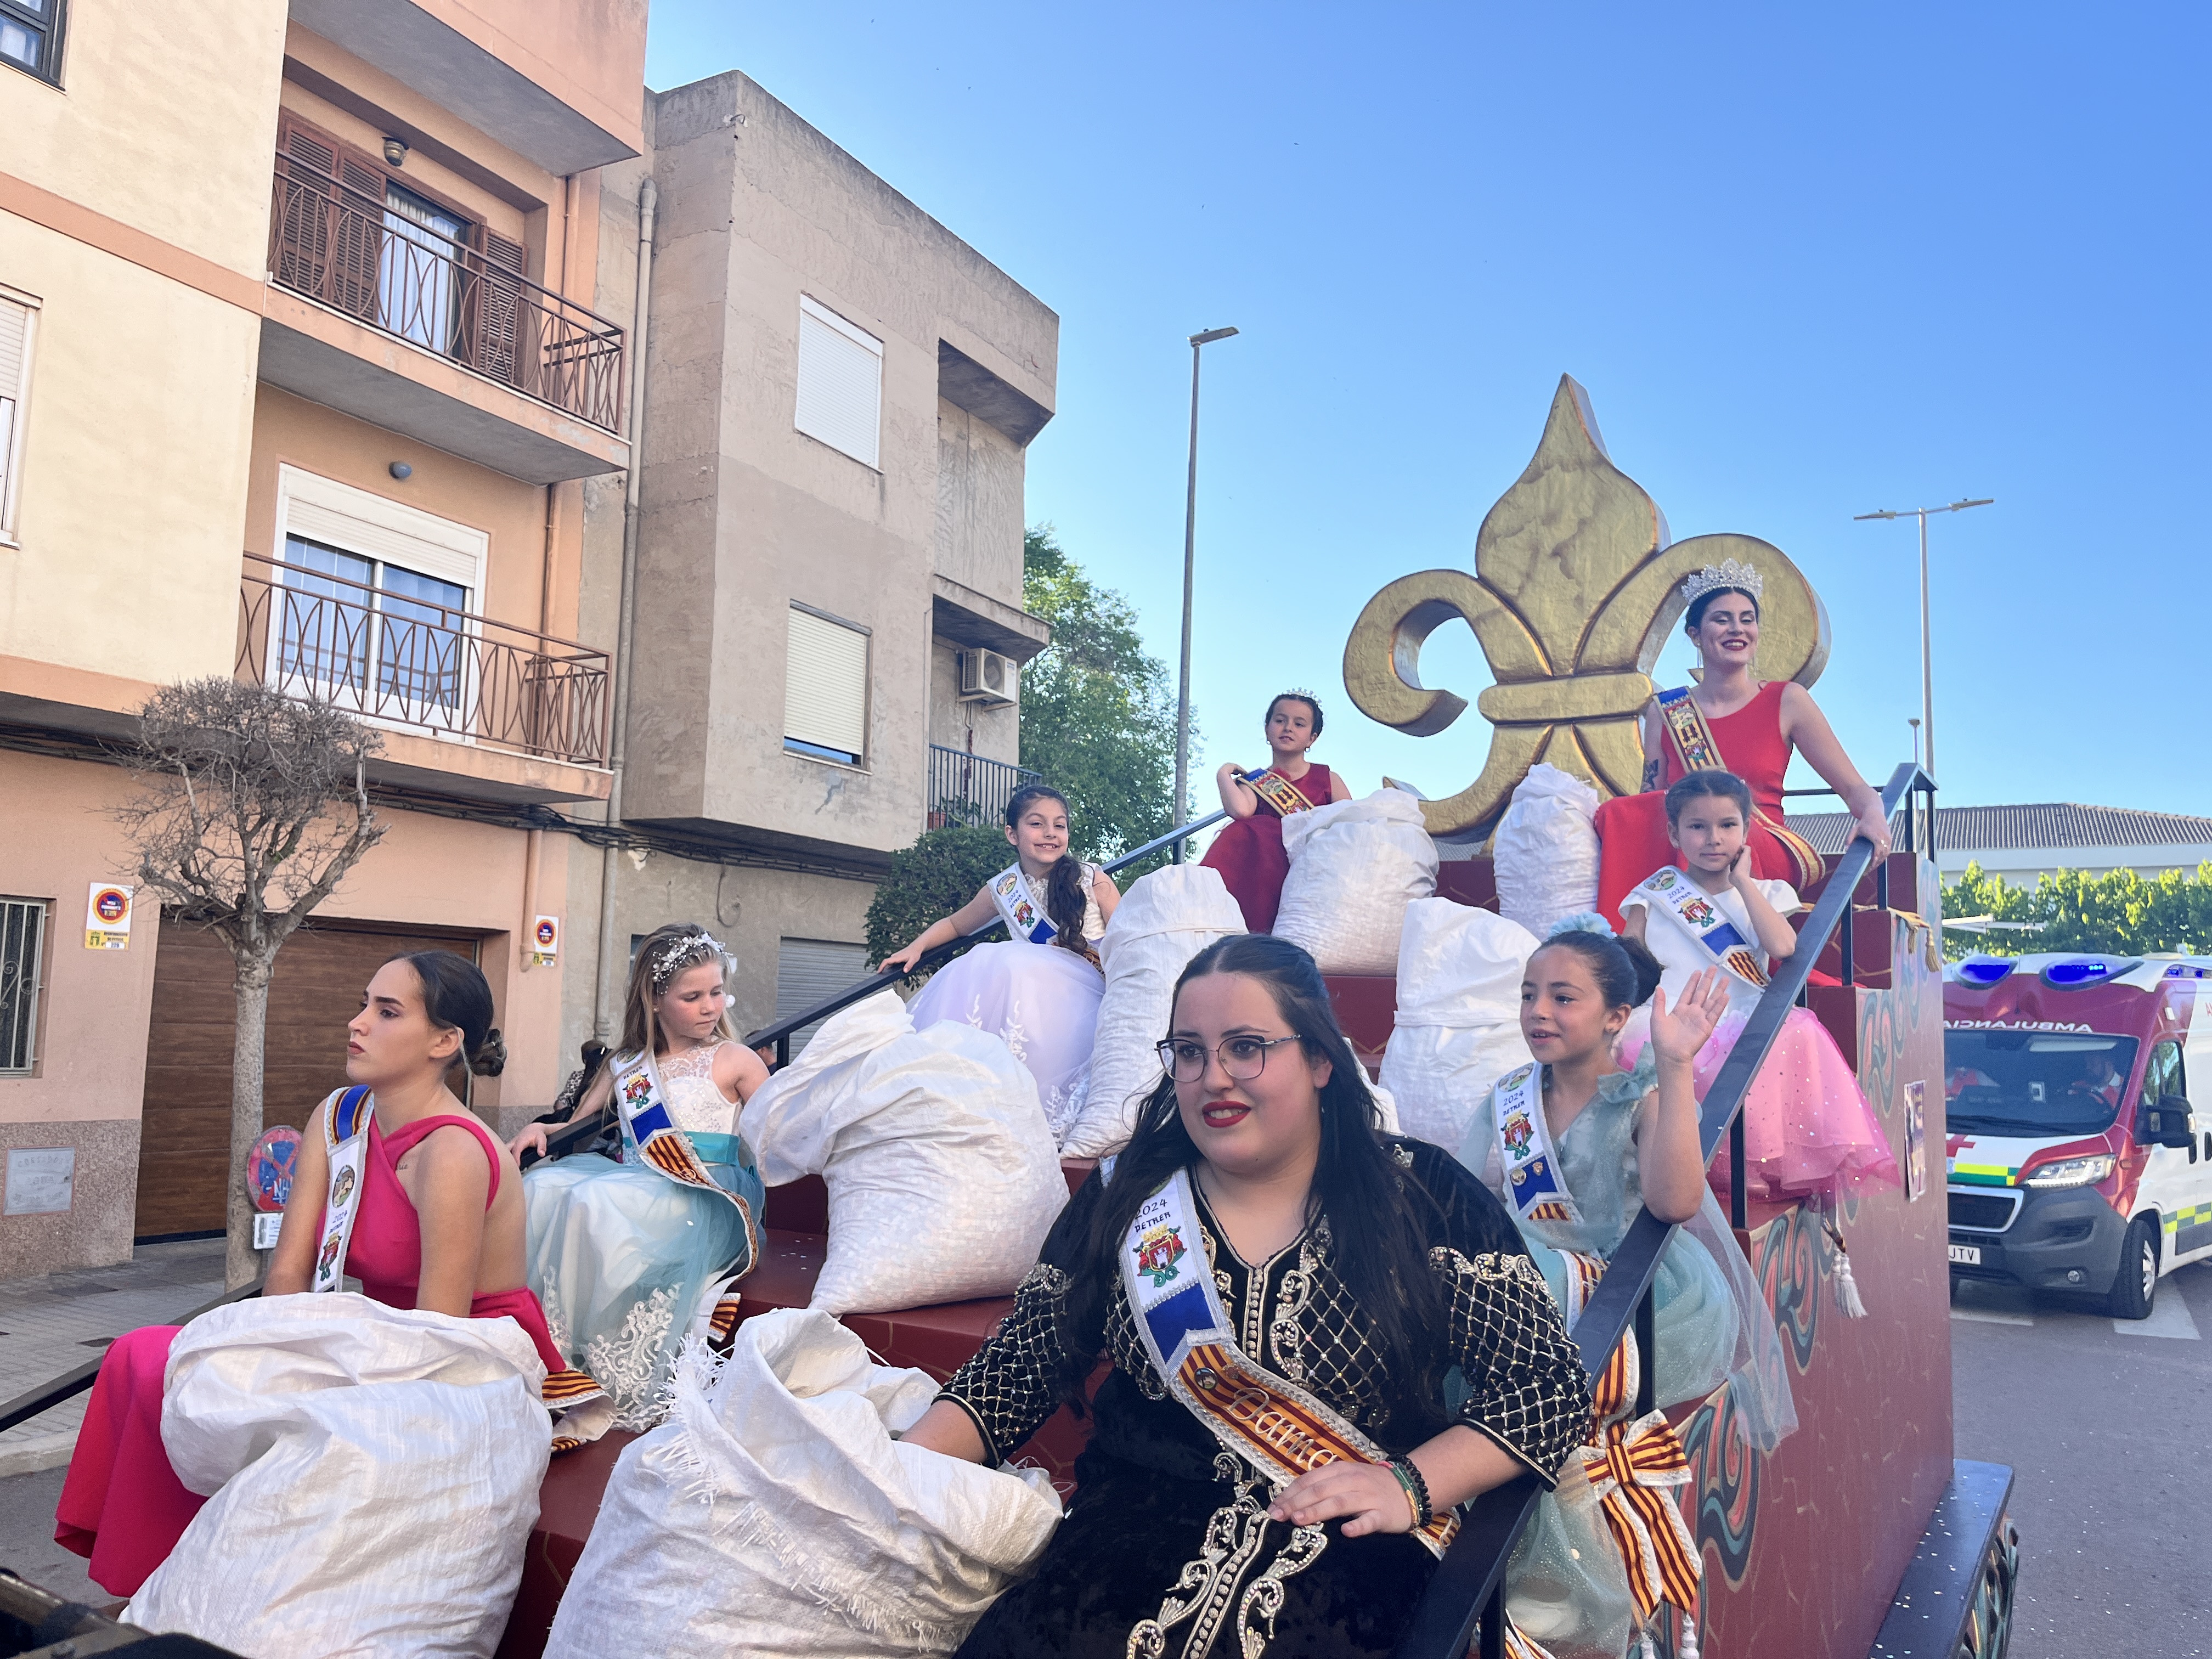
x: 306, y: 368
x: 318, y: 350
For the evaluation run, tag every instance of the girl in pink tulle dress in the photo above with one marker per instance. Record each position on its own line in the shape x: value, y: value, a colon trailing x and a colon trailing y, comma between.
x: 1807, y: 1127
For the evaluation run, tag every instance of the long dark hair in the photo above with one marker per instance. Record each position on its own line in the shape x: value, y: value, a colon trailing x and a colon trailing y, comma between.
x: 1378, y: 1212
x: 456, y: 998
x: 1065, y: 900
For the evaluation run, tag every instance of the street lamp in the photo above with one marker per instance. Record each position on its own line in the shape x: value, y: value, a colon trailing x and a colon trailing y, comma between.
x: 1927, y: 661
x: 1189, y: 566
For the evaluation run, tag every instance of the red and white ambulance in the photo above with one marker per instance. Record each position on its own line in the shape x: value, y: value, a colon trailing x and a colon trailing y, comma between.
x: 2074, y: 1162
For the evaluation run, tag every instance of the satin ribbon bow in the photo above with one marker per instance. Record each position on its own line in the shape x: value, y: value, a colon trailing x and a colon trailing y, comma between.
x: 1633, y: 1480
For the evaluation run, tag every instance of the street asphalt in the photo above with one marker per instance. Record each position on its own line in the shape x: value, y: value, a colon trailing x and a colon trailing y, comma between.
x: 2102, y: 1421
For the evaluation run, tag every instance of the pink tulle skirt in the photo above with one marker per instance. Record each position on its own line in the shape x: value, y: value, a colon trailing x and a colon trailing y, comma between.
x: 1807, y: 1129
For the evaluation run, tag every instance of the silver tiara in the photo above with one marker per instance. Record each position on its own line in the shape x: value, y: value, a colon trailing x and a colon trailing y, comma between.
x: 1718, y: 578
x: 687, y: 951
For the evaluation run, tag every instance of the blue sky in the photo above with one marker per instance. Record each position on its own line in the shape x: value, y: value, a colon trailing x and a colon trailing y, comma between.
x: 1807, y: 261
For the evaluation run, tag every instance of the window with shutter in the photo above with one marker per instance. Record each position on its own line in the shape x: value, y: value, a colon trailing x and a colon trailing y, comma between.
x: 15, y: 383
x: 825, y: 688
x: 812, y: 970
x: 841, y: 382
x: 494, y: 335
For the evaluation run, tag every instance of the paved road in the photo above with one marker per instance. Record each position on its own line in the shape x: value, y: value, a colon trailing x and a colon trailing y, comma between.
x: 2108, y: 1426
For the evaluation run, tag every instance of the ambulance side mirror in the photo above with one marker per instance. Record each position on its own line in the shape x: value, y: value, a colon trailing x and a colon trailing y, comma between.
x: 2167, y: 1124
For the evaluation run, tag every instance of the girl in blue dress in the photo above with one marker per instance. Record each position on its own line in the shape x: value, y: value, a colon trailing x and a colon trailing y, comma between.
x: 1575, y: 1148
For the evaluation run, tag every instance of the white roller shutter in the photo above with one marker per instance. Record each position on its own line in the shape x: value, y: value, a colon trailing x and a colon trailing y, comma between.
x: 825, y: 686
x: 809, y: 969
x: 841, y: 382
x: 15, y: 336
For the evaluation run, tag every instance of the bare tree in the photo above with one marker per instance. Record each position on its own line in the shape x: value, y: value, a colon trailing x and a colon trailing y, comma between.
x: 251, y: 807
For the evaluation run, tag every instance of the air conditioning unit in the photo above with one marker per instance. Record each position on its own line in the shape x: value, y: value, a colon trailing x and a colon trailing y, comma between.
x: 987, y: 677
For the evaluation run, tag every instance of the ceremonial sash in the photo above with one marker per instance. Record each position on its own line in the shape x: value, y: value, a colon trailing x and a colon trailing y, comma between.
x: 662, y: 1146
x: 1022, y: 911
x: 1279, y: 1430
x: 1702, y: 918
x: 345, y: 1143
x: 1693, y: 742
x: 1277, y: 791
x: 1534, y: 1184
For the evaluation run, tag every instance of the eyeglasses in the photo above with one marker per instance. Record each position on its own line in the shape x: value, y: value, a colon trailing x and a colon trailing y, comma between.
x: 1243, y: 1058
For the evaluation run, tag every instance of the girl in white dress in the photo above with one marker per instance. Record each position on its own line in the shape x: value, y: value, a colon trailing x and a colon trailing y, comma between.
x: 628, y: 1257
x: 1807, y: 1129
x: 1039, y: 991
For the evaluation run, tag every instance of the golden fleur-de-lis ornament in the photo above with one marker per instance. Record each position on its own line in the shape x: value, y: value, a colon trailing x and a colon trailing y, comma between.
x: 1575, y: 589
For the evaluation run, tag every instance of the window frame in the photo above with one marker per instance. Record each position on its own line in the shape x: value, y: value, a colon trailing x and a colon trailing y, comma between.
x: 806, y: 748
x: 41, y: 949
x: 811, y: 307
x: 13, y: 441
x: 55, y: 29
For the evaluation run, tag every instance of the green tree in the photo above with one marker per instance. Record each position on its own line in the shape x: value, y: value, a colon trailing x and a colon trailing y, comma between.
x: 1097, y: 710
x: 931, y: 879
x: 2120, y: 912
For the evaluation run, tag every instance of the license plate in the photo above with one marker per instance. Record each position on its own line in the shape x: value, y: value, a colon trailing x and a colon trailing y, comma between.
x: 1966, y: 1255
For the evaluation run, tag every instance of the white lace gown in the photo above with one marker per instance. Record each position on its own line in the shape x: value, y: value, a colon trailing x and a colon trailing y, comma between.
x: 621, y: 1257
x: 1041, y: 999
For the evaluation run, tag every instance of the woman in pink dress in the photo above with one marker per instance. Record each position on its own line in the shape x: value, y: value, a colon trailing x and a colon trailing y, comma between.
x: 439, y: 1225
x: 1248, y: 853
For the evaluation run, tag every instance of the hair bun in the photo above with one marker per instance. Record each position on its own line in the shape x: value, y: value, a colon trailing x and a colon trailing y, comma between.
x: 1583, y: 921
x: 489, y: 1058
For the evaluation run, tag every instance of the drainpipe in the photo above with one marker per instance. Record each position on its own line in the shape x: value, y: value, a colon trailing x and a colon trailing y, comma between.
x: 604, y: 996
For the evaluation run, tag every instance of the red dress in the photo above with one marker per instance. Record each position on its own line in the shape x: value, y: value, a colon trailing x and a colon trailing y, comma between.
x: 1632, y: 829
x: 122, y: 1505
x: 1249, y: 852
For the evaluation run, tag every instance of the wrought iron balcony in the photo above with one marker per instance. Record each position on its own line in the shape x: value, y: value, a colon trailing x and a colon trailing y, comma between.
x: 965, y: 789
x: 417, y: 665
x: 359, y: 254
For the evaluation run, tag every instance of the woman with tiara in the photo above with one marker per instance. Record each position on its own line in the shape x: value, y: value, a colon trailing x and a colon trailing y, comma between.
x: 1248, y: 853
x: 630, y: 1257
x: 1575, y: 1148
x: 1039, y: 989
x: 1731, y: 721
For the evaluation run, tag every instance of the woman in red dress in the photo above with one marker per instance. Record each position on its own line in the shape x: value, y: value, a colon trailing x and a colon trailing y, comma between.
x: 1734, y: 721
x: 1248, y: 853
x: 439, y: 1225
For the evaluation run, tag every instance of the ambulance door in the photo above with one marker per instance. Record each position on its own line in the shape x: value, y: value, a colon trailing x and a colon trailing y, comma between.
x: 2176, y: 1180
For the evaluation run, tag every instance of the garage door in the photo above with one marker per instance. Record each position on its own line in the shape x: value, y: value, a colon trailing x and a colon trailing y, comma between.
x: 184, y: 1148
x: 809, y: 969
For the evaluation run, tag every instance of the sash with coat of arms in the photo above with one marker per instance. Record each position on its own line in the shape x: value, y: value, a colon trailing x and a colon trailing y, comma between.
x: 1700, y: 752
x: 647, y: 1126
x: 1672, y: 893
x: 346, y: 1117
x: 1535, y: 1185
x: 1277, y: 791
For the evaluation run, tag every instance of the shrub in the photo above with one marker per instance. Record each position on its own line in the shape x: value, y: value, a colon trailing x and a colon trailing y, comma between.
x: 929, y: 880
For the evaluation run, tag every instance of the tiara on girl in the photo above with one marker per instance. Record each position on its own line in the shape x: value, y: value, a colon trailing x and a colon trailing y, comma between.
x: 687, y: 951
x: 1717, y: 578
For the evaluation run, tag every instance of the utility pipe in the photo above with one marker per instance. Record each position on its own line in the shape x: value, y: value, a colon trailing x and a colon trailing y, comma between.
x: 604, y: 995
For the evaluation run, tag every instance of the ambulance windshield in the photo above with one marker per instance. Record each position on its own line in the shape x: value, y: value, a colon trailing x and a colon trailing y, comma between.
x: 2034, y: 1082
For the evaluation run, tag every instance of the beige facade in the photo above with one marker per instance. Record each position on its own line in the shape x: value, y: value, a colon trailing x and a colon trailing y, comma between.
x: 329, y: 311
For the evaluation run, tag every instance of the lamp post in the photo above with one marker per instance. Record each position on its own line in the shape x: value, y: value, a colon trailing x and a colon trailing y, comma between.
x: 1927, y: 660
x: 1190, y: 568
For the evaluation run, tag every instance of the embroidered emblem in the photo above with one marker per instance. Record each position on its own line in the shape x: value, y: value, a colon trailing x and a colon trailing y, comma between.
x: 1698, y: 913
x: 638, y: 1088
x: 342, y: 1187
x: 329, y: 1255
x: 1158, y: 1251
x: 1518, y: 1134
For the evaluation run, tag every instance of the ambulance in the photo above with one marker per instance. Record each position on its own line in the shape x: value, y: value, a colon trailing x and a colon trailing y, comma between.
x: 2075, y: 1163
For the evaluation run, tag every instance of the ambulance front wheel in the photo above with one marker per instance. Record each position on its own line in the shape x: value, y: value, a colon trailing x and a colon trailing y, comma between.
x: 2135, y: 1287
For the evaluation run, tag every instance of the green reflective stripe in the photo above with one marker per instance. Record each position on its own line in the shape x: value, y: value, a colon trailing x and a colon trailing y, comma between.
x: 1985, y: 1174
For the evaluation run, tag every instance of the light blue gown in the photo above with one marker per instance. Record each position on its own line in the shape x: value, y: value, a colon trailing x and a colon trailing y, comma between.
x: 621, y: 1258
x: 1566, y: 1587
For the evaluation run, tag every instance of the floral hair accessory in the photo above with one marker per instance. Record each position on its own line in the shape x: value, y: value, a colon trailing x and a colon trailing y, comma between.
x: 1583, y: 921
x: 688, y: 951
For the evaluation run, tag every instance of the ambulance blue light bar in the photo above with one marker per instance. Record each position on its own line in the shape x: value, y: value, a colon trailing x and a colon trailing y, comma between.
x: 2087, y: 970
x: 1984, y: 970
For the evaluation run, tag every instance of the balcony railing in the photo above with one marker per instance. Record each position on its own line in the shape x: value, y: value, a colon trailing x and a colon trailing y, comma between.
x: 353, y: 253
x: 420, y: 667
x: 965, y: 789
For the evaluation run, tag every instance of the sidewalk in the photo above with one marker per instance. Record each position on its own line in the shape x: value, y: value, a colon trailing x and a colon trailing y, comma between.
x: 54, y: 1322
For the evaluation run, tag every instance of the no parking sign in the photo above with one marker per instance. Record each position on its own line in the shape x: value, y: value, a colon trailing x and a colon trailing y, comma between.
x: 107, y: 917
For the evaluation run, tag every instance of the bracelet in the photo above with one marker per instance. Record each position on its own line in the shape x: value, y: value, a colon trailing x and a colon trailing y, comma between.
x: 1417, y: 1490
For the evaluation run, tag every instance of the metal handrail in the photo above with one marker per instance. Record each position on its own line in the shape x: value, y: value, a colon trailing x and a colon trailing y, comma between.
x: 965, y: 788
x: 69, y: 1384
x: 1468, y: 1586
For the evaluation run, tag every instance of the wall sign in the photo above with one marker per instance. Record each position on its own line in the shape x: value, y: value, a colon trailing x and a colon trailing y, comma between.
x: 107, y: 917
x: 544, y: 941
x: 41, y: 1180
x: 1916, y: 1139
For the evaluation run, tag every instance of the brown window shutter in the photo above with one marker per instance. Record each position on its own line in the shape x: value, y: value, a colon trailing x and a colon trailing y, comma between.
x: 359, y: 243
x: 306, y: 164
x: 498, y: 341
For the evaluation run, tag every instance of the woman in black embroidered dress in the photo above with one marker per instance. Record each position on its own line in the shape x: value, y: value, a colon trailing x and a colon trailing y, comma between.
x: 1359, y: 1267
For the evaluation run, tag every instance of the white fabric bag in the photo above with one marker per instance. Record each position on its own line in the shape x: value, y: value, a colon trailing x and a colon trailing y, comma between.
x: 373, y: 1474
x: 942, y: 1174
x: 1544, y: 852
x: 773, y: 1515
x: 1458, y: 1024
x: 1355, y: 866
x: 1164, y: 920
